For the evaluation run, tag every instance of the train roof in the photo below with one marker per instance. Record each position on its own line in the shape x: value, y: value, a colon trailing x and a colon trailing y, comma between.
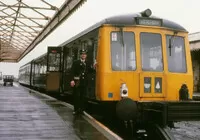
x: 126, y: 20
x: 29, y: 62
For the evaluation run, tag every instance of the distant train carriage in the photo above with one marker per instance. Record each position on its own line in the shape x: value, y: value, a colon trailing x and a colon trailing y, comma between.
x: 143, y: 66
x: 25, y: 74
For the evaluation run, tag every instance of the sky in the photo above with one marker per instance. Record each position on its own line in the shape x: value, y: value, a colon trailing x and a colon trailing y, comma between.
x: 184, y: 12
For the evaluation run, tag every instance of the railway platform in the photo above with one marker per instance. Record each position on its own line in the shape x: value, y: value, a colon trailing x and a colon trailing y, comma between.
x: 28, y: 115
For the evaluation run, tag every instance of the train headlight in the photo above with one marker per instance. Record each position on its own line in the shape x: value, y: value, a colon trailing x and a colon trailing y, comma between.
x: 124, y: 90
x: 146, y: 13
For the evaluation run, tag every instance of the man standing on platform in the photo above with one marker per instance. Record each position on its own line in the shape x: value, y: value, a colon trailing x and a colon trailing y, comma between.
x: 80, y: 69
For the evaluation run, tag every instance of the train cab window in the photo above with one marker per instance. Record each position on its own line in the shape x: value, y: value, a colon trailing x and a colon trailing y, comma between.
x: 176, y: 54
x: 123, y: 51
x: 151, y: 52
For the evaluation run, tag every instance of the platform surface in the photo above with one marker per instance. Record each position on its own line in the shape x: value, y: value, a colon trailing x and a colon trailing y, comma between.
x: 30, y: 116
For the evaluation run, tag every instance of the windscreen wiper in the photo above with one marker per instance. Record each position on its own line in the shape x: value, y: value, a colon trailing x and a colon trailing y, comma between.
x: 171, y: 42
x: 170, y: 46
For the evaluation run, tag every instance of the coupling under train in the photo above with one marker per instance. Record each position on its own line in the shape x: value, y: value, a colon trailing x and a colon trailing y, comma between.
x: 144, y: 68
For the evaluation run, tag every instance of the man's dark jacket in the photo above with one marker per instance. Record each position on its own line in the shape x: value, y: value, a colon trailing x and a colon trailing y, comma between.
x: 78, y: 68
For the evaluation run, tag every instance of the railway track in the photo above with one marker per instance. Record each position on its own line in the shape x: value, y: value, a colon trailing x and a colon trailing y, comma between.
x: 187, y: 130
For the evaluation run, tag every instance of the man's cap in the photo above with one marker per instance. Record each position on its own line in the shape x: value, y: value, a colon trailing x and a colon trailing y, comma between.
x: 83, y: 51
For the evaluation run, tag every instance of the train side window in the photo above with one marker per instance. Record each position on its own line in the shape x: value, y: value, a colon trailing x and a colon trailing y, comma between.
x: 68, y: 59
x: 54, y: 61
x: 33, y: 68
x: 91, y: 47
x: 176, y: 54
x: 36, y: 68
x: 95, y: 49
x: 0, y: 75
x: 71, y: 54
x: 75, y: 55
x: 90, y: 54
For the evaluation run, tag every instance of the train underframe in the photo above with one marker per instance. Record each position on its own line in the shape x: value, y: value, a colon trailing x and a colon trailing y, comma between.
x: 163, y: 113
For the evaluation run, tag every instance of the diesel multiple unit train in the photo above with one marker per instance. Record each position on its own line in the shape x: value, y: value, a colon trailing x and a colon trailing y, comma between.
x: 144, y: 68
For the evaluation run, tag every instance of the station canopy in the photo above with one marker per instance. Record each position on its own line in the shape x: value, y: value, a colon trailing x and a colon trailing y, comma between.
x: 25, y: 23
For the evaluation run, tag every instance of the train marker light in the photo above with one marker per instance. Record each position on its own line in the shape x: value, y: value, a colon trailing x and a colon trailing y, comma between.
x: 54, y: 51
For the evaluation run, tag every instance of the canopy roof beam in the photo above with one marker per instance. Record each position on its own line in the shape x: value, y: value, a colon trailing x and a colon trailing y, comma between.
x: 23, y: 25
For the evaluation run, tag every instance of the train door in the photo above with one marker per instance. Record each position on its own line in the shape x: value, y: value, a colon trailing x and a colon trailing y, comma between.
x: 91, y: 56
x: 70, y: 54
x: 54, y: 55
x: 152, y: 79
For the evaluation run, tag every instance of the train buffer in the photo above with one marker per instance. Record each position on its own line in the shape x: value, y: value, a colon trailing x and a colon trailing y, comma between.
x: 27, y: 115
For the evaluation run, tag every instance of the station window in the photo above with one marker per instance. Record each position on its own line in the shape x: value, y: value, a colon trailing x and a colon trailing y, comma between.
x: 123, y: 51
x: 176, y: 54
x: 151, y: 52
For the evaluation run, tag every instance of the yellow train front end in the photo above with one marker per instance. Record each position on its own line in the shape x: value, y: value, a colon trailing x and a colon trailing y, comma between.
x: 151, y: 68
x: 144, y: 66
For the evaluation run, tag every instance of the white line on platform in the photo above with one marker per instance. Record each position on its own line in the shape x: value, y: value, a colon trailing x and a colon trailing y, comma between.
x: 102, y: 128
x: 99, y: 126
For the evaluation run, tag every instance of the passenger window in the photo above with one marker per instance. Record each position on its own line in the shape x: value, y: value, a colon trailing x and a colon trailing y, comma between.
x: 54, y: 61
x: 151, y: 52
x: 71, y: 54
x: 68, y: 59
x: 1, y: 75
x: 176, y: 55
x: 95, y: 50
x: 36, y: 71
x: 75, y: 52
x: 90, y: 52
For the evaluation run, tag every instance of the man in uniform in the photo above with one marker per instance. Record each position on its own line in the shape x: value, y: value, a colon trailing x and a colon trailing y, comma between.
x: 80, y: 69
